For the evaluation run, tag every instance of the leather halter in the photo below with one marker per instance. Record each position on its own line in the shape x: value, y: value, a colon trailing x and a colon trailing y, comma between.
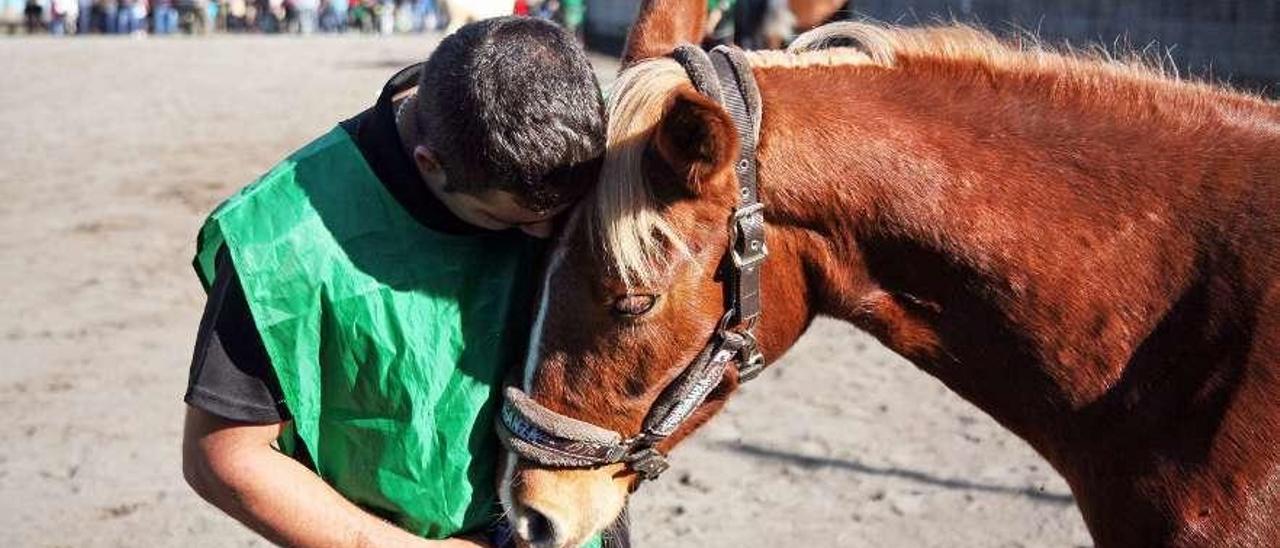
x: 548, y: 438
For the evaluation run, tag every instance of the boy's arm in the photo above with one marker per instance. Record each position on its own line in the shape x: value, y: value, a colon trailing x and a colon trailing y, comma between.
x: 234, y: 467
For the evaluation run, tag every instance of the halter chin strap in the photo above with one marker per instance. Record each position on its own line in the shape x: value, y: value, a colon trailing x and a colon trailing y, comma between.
x: 551, y: 439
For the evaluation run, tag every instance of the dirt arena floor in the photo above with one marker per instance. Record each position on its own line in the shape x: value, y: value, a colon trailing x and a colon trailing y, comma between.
x: 114, y: 150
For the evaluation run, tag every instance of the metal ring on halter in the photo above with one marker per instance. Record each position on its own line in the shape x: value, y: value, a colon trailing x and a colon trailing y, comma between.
x: 751, y: 360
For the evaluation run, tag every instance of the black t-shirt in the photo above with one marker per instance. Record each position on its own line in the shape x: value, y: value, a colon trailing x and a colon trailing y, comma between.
x: 231, y: 375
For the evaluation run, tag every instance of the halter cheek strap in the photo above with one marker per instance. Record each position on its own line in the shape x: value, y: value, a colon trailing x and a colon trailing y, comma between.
x: 748, y: 248
x: 543, y: 436
x: 725, y: 76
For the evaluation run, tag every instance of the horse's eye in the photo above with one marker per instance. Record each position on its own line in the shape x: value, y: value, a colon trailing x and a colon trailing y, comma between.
x: 634, y: 305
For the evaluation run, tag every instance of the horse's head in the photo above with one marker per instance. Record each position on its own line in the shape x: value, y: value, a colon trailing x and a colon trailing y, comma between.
x: 634, y: 292
x: 635, y: 288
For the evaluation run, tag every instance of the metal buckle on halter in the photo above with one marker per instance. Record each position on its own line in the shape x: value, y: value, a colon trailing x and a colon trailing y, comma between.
x: 649, y: 463
x: 751, y: 367
x: 617, y: 453
x: 753, y: 257
x: 751, y: 360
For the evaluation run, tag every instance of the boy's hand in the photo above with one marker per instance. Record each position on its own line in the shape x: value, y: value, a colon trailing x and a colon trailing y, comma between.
x: 234, y: 467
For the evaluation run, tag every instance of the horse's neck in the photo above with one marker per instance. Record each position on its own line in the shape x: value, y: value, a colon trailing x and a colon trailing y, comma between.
x: 1025, y: 241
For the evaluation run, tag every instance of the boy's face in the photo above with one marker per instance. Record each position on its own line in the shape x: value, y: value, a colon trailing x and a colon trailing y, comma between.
x: 491, y: 209
x: 498, y: 210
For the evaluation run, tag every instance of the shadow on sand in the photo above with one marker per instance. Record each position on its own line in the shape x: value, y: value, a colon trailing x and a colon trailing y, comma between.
x: 1034, y: 493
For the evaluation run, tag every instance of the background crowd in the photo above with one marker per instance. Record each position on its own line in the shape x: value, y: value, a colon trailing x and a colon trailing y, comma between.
x: 143, y: 17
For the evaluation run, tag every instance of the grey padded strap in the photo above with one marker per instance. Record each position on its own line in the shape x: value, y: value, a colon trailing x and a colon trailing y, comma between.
x: 540, y: 434
x: 697, y: 64
x: 684, y: 396
x: 742, y: 101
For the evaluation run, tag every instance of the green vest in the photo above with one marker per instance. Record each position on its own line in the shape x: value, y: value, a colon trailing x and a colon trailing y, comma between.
x: 390, y: 340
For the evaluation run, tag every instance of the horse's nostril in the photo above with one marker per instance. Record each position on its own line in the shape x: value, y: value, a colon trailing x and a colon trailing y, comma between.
x: 535, y: 528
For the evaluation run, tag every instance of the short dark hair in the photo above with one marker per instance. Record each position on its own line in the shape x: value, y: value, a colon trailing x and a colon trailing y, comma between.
x: 512, y: 103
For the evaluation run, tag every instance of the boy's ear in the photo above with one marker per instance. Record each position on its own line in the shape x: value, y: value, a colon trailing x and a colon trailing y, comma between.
x: 696, y: 140
x: 662, y: 25
x: 426, y: 159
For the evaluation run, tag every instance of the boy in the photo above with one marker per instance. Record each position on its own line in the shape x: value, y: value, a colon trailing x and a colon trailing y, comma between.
x: 367, y: 295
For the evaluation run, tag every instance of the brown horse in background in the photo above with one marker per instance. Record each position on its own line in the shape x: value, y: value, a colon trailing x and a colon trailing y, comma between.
x: 802, y: 16
x: 1088, y: 251
x: 769, y: 24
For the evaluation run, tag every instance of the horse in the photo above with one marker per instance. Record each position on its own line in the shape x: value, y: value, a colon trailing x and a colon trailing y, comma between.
x: 462, y: 12
x: 784, y: 20
x: 1086, y: 249
x: 769, y: 24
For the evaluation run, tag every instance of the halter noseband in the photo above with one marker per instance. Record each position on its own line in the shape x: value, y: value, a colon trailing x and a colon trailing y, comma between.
x: 551, y: 439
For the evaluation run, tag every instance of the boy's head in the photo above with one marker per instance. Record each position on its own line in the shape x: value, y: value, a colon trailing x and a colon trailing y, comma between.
x: 510, y: 113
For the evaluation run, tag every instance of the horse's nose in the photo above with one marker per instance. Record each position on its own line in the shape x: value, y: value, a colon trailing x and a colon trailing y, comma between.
x: 536, y: 528
x: 559, y: 508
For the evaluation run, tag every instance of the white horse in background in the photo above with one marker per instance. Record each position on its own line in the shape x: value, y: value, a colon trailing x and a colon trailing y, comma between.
x: 462, y: 12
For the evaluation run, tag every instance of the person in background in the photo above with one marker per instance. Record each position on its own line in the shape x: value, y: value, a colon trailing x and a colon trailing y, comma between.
x: 385, y: 12
x: 101, y: 17
x: 406, y: 16
x: 108, y: 12
x: 573, y: 13
x: 33, y: 16
x: 212, y: 16
x: 141, y: 8
x: 11, y: 16
x: 333, y: 15
x: 84, y: 17
x: 308, y: 15
x: 164, y: 17
x: 719, y: 22
x: 748, y: 18
x: 195, y: 15
x: 545, y: 9
x: 360, y: 15
x: 289, y: 19
x: 237, y: 16
x: 428, y: 18
x: 62, y: 17
x: 125, y: 23
x: 264, y: 17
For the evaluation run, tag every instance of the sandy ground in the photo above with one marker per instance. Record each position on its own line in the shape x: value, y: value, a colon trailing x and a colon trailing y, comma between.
x: 114, y: 150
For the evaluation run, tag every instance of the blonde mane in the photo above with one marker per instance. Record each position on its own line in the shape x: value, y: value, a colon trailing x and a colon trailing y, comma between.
x: 625, y: 219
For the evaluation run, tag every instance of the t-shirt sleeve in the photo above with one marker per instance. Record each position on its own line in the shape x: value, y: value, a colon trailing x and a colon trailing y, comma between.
x: 231, y: 375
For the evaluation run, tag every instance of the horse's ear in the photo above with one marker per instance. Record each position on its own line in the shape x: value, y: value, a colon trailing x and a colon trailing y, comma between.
x: 662, y: 25
x: 695, y: 141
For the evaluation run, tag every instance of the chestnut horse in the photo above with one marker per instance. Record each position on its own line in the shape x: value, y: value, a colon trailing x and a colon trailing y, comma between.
x: 1088, y: 251
x: 771, y: 23
x: 784, y: 20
